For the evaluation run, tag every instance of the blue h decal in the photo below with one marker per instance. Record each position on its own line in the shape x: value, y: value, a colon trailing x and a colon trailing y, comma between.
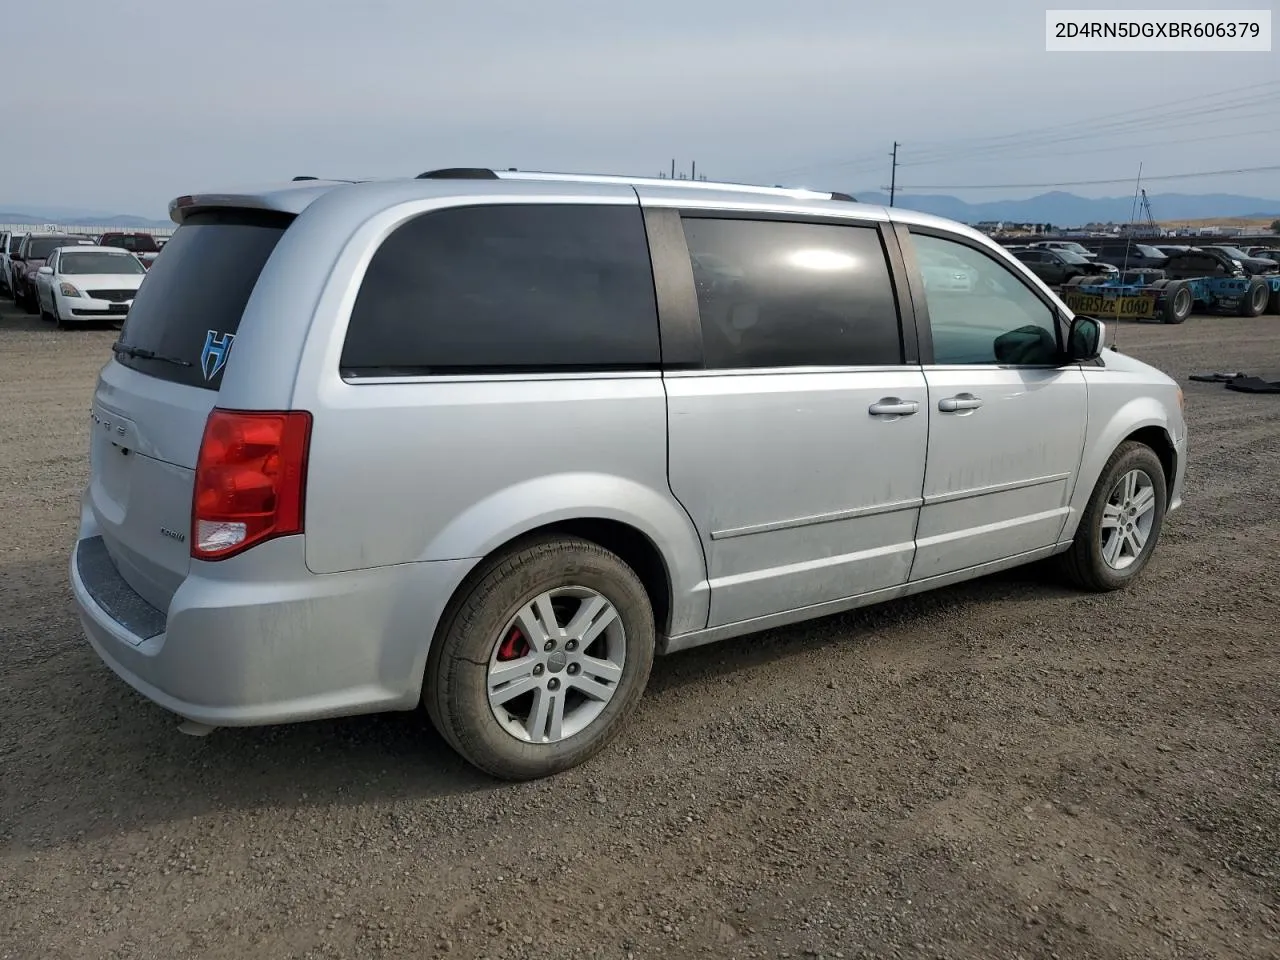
x: 214, y: 355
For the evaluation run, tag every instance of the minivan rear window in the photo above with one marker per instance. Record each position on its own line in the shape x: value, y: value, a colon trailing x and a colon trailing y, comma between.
x: 188, y: 309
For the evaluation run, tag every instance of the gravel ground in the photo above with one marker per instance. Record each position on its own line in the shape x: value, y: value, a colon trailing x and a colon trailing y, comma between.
x: 1005, y: 769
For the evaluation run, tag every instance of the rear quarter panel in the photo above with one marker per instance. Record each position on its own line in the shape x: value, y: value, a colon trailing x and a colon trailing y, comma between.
x: 437, y: 469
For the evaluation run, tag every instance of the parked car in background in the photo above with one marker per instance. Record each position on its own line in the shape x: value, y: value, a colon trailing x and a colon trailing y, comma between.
x: 33, y: 250
x: 1056, y: 267
x: 1070, y: 246
x: 1202, y: 262
x: 1253, y: 266
x: 1267, y: 253
x: 622, y: 456
x: 1130, y: 255
x: 947, y: 273
x: 82, y: 283
x: 142, y: 244
x: 8, y: 243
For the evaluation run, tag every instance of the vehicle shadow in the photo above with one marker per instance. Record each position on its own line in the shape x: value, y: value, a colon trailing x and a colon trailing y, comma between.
x: 1031, y: 583
x: 14, y: 319
x: 86, y: 756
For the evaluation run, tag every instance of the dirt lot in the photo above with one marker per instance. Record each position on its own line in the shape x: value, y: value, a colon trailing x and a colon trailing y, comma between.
x: 1002, y: 770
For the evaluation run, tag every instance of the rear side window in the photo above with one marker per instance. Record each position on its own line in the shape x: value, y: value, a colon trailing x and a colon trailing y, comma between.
x: 507, y: 288
x: 188, y: 308
x: 774, y: 293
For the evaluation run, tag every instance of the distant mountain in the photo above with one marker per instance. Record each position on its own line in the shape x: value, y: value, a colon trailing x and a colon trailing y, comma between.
x: 76, y: 218
x: 1066, y: 209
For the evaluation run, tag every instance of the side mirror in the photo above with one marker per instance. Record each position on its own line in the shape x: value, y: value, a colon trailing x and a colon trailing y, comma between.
x: 45, y: 271
x: 1085, y: 339
x: 16, y: 256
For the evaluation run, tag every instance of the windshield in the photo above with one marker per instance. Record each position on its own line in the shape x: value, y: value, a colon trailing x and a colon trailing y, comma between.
x: 118, y: 263
x: 1233, y: 252
x: 1072, y: 257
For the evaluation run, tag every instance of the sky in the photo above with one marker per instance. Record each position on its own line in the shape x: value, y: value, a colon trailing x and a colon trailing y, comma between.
x: 122, y: 105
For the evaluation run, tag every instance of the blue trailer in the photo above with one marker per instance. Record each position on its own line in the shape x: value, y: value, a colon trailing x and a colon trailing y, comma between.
x: 1133, y: 297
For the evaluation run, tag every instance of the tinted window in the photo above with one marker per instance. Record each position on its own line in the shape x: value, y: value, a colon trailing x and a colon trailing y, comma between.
x: 196, y: 293
x: 40, y: 247
x: 118, y: 263
x: 780, y: 294
x: 138, y: 243
x: 528, y: 287
x: 995, y: 319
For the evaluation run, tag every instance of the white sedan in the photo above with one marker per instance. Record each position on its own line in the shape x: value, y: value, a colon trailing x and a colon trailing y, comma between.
x: 79, y: 284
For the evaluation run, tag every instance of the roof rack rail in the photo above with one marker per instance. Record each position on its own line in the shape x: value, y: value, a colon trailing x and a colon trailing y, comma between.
x: 296, y: 179
x: 458, y: 173
x: 836, y: 195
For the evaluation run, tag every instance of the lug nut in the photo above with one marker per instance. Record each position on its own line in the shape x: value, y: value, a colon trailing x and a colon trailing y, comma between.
x: 537, y: 669
x: 573, y: 669
x: 571, y: 645
x: 549, y: 646
x: 553, y: 684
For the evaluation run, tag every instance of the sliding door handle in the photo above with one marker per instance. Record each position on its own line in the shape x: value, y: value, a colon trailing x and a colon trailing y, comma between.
x: 893, y: 407
x: 961, y: 401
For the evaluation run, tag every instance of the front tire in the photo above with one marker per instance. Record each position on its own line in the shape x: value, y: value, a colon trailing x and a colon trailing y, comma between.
x: 540, y: 662
x: 1121, y: 523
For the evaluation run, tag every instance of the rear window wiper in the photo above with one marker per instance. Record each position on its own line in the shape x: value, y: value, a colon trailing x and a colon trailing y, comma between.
x: 144, y: 354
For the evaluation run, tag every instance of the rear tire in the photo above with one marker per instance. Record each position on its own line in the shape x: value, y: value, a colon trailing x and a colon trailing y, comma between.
x: 474, y: 646
x: 1178, y: 302
x: 29, y: 304
x: 1122, y: 522
x: 1255, y: 299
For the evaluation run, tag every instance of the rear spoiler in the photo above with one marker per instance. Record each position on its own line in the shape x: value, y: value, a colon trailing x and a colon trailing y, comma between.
x: 291, y: 198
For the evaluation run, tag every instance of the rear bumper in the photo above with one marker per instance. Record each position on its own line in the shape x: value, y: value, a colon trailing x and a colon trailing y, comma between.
x: 242, y: 645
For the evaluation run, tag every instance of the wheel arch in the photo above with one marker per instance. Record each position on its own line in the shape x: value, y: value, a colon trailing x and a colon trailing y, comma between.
x: 1143, y: 420
x: 632, y: 545
x: 1160, y: 440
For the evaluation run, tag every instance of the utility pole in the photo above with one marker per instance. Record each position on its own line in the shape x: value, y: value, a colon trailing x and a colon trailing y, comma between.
x: 893, y: 173
x: 673, y: 168
x: 693, y: 170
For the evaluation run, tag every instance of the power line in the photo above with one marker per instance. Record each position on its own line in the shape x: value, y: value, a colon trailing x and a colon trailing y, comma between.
x: 1116, y: 117
x: 1184, y: 118
x: 1124, y: 146
x: 1134, y: 118
x: 1085, y: 183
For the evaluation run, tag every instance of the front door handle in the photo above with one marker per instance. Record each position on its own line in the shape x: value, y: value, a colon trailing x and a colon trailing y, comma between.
x: 893, y: 407
x: 961, y: 401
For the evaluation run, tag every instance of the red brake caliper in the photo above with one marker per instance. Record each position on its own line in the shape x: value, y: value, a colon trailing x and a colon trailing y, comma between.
x: 514, y: 646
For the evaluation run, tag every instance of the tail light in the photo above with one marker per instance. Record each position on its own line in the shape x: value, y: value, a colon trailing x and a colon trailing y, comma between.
x: 251, y: 477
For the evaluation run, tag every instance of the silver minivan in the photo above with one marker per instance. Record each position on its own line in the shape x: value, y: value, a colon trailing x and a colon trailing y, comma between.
x: 486, y: 442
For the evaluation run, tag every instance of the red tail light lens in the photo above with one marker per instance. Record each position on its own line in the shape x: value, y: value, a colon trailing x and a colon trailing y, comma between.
x: 251, y: 478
